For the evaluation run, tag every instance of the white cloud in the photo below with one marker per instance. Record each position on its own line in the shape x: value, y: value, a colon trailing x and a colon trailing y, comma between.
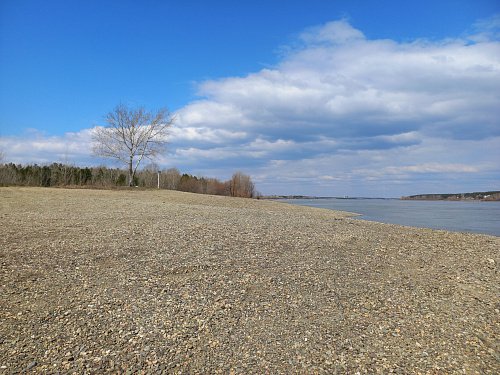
x: 486, y: 29
x: 36, y: 147
x: 341, y: 102
x: 328, y: 88
x: 345, y: 115
x: 421, y: 168
x: 336, y: 32
x: 204, y: 135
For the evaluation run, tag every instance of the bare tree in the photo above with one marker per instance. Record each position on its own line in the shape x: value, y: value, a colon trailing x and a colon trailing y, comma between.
x: 2, y: 155
x: 242, y: 186
x: 173, y: 178
x: 149, y: 174
x: 132, y: 134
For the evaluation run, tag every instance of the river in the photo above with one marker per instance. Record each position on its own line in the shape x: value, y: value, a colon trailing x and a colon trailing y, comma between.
x: 457, y: 216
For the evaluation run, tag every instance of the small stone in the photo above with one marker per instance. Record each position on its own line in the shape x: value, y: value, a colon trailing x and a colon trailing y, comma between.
x: 31, y: 365
x: 264, y: 290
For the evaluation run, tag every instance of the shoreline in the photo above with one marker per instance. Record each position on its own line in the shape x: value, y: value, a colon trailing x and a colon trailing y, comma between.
x: 169, y: 282
x: 482, y: 219
x: 271, y: 198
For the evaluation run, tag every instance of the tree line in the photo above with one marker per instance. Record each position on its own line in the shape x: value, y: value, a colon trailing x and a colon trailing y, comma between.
x: 129, y: 136
x: 58, y: 174
x: 482, y: 196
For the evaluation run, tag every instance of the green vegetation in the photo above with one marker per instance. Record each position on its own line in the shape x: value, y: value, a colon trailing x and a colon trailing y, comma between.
x: 60, y: 175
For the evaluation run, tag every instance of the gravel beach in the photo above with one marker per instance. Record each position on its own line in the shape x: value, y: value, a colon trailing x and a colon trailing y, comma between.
x: 164, y: 282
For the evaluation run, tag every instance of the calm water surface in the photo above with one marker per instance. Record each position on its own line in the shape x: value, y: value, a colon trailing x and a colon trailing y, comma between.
x: 474, y: 217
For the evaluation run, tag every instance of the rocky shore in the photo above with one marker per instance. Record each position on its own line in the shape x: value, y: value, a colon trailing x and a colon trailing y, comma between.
x: 164, y: 282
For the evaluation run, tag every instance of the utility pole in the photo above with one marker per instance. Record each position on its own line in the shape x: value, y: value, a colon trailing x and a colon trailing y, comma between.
x: 159, y: 179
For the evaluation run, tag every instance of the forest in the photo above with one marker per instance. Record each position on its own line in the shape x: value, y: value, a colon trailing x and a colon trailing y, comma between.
x: 62, y: 175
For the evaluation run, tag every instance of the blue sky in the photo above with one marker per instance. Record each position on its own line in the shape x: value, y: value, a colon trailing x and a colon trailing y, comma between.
x: 360, y: 98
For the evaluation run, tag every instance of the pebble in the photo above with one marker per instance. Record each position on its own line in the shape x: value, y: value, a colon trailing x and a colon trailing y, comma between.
x: 31, y: 365
x: 141, y: 282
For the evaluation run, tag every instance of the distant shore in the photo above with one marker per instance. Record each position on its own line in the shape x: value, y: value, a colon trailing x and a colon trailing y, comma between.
x: 450, y: 199
x: 486, y: 196
x: 274, y: 197
x: 495, y: 198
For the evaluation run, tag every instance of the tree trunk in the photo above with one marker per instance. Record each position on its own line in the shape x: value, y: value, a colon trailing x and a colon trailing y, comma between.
x: 130, y: 173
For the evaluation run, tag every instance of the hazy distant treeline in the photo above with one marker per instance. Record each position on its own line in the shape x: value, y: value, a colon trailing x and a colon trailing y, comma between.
x: 58, y: 174
x: 483, y: 196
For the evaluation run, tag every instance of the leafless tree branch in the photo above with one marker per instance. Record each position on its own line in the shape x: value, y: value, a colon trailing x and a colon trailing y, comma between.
x: 132, y: 134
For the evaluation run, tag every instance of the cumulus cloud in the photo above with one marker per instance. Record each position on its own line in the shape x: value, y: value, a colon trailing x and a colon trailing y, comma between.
x: 337, y: 32
x: 340, y: 101
x: 35, y: 147
x: 341, y: 112
x: 361, y: 88
x: 192, y: 135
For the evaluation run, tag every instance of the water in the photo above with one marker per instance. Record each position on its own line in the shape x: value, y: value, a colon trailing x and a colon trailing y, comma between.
x: 457, y: 216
